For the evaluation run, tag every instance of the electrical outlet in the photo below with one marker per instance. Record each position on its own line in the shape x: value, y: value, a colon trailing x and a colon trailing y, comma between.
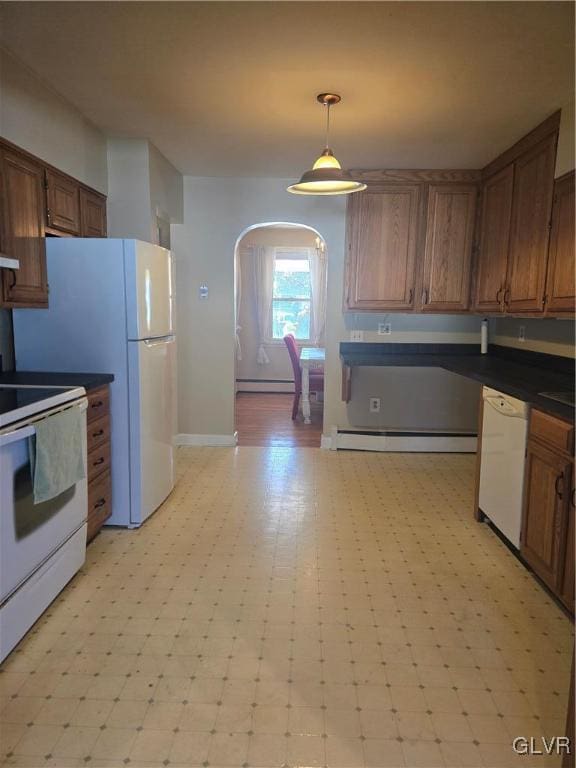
x: 356, y: 335
x: 384, y: 329
x: 374, y: 405
x: 521, y: 333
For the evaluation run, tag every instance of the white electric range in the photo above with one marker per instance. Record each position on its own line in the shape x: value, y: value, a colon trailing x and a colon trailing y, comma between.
x: 42, y: 545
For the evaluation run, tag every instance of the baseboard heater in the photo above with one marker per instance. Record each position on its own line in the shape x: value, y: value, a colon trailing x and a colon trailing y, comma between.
x: 266, y: 386
x: 400, y: 442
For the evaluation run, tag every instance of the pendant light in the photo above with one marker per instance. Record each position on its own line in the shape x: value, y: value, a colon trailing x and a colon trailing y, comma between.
x: 326, y: 176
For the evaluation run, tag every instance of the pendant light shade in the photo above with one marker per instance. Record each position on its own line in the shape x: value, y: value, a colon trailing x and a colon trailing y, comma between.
x: 326, y: 176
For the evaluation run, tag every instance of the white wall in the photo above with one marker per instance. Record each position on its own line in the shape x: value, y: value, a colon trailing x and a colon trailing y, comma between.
x: 142, y: 185
x: 279, y: 367
x: 216, y: 213
x: 548, y: 335
x: 36, y: 118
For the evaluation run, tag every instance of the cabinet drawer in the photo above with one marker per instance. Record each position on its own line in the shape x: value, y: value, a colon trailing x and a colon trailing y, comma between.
x: 99, y: 460
x: 99, y: 503
x: 98, y: 403
x: 98, y: 433
x: 552, y: 431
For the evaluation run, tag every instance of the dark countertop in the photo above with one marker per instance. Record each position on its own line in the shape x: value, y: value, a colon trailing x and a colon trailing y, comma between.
x: 39, y: 378
x: 515, y: 372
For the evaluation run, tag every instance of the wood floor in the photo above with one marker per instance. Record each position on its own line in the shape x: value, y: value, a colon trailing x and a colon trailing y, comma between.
x: 266, y: 419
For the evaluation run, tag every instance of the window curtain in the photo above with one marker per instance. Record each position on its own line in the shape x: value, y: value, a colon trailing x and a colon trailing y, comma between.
x: 240, y: 261
x: 318, y: 287
x: 263, y: 286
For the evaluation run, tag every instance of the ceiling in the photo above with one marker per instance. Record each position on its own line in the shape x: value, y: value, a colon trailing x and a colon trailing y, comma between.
x: 228, y: 88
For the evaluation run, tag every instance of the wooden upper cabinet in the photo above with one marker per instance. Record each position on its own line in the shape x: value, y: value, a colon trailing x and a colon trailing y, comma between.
x: 62, y: 203
x: 547, y: 492
x: 448, y: 251
x: 92, y: 214
x: 560, y: 283
x: 382, y: 233
x: 494, y: 237
x: 22, y: 231
x: 531, y: 211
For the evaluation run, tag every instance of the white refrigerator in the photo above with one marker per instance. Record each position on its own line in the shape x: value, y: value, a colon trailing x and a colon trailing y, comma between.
x: 111, y: 310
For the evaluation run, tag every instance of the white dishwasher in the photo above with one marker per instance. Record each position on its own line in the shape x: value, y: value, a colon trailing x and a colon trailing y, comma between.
x: 504, y: 429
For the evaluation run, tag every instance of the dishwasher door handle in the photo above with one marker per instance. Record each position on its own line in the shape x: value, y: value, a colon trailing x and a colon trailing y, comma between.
x: 504, y: 407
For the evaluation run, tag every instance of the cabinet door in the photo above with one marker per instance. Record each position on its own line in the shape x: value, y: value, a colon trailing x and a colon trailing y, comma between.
x: 567, y: 591
x: 448, y: 251
x: 546, y: 498
x: 492, y: 260
x: 22, y: 231
x: 560, y: 284
x: 531, y: 210
x: 92, y: 214
x: 62, y: 203
x: 382, y: 234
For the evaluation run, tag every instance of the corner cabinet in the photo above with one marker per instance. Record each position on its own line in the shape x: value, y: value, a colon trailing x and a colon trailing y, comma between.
x: 37, y: 200
x: 494, y: 237
x: 560, y: 283
x: 22, y: 231
x: 547, y: 539
x: 382, y: 239
x: 510, y: 271
x: 450, y: 224
x: 530, y: 229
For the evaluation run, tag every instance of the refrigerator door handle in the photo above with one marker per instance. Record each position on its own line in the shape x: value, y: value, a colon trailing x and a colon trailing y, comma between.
x: 159, y: 341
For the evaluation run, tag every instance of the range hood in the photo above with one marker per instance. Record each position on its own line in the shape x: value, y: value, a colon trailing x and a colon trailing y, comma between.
x: 8, y: 263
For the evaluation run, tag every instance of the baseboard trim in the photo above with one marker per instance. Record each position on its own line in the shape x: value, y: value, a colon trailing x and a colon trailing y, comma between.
x: 207, y: 440
x: 399, y: 444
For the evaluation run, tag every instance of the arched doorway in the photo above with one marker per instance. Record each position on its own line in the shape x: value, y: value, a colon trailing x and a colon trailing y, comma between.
x: 280, y: 290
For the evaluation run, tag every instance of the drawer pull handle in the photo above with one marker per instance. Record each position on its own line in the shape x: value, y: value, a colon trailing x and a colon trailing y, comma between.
x: 98, y: 433
x: 98, y: 461
x: 97, y: 404
x: 556, y: 485
x: 99, y: 503
x: 573, y: 498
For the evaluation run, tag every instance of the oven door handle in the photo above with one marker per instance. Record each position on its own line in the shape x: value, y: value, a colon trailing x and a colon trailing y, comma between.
x: 16, y: 434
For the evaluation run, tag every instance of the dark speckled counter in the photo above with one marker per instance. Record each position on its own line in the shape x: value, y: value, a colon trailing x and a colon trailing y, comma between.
x: 515, y: 372
x: 38, y: 378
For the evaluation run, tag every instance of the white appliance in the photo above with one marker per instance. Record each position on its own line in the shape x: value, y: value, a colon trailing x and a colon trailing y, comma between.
x: 504, y: 429
x: 111, y: 311
x: 41, y: 545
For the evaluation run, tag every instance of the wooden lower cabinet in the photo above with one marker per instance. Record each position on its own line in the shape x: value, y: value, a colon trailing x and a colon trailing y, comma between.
x: 99, y: 468
x: 547, y: 540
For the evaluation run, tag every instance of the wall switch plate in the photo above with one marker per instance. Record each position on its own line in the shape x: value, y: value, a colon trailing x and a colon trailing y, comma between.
x: 203, y: 291
x: 521, y: 333
x: 374, y: 405
x: 356, y: 335
x: 384, y: 329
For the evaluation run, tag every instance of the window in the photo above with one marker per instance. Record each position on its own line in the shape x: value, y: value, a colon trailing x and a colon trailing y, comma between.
x: 291, y: 294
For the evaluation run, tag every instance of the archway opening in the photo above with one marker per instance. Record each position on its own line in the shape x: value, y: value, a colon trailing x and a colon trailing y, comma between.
x: 280, y: 273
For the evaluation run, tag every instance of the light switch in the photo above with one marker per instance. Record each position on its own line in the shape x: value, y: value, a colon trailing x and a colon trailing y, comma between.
x: 203, y: 292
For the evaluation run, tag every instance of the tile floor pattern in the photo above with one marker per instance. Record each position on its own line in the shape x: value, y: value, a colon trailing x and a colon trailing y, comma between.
x: 294, y: 607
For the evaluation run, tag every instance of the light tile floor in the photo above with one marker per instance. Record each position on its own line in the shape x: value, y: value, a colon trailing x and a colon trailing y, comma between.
x: 294, y: 607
